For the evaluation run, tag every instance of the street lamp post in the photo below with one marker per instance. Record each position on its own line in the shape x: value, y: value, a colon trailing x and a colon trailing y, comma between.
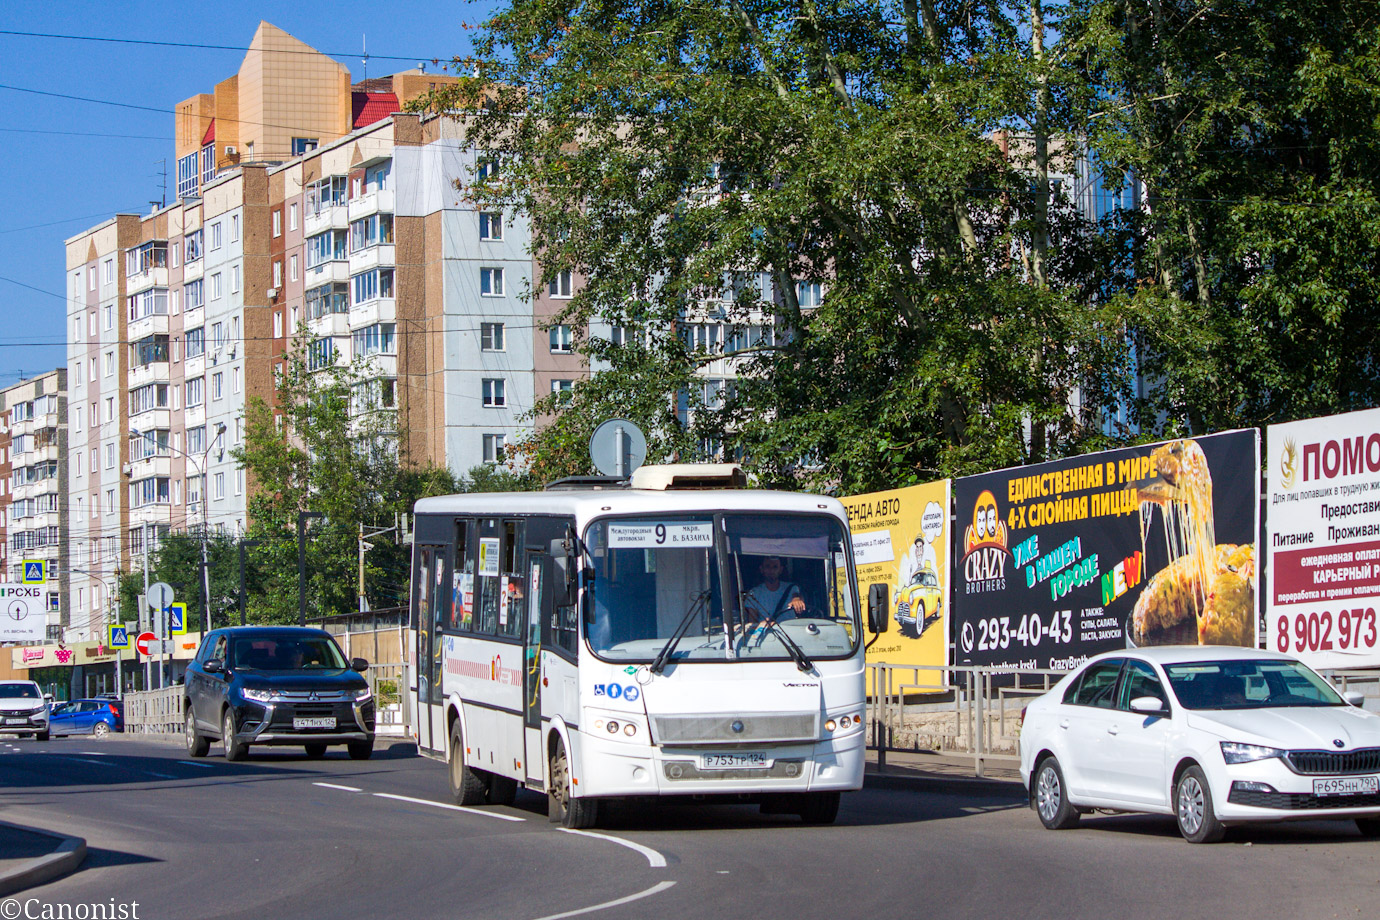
x: 205, y: 514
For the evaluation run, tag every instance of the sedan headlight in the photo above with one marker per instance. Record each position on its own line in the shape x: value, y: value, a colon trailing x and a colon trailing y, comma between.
x: 1235, y: 752
x: 258, y: 696
x: 363, y: 694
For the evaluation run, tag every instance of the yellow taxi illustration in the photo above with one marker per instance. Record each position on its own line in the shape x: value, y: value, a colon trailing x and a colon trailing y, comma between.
x: 919, y: 600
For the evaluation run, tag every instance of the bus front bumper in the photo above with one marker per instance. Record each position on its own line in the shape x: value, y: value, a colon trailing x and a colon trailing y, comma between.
x: 612, y: 768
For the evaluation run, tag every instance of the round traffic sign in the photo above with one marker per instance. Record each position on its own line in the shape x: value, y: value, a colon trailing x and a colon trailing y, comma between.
x: 143, y: 643
x: 160, y: 595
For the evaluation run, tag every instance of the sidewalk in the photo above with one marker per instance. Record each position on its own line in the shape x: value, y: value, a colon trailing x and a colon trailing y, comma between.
x: 943, y: 773
x: 30, y: 857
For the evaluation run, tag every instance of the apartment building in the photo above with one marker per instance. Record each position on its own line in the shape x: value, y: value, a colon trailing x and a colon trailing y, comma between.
x: 33, y: 493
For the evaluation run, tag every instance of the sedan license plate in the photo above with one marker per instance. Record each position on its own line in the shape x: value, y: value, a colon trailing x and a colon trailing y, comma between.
x: 16, y: 721
x: 1347, y: 785
x: 313, y: 723
x: 755, y: 760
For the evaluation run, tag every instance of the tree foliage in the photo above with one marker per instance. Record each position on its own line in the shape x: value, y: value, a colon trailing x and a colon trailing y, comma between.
x: 886, y: 150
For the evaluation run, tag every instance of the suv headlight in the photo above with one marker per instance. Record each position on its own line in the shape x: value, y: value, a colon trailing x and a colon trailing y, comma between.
x: 1236, y: 752
x: 259, y: 696
x: 363, y: 694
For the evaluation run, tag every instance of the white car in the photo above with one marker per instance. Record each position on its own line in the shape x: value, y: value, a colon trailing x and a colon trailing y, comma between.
x: 1216, y: 736
x: 23, y: 710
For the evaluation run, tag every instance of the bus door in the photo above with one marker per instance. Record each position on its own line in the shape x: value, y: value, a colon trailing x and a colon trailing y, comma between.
x: 430, y: 606
x: 537, y: 566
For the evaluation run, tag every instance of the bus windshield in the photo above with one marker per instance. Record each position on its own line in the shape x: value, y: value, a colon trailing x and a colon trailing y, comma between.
x: 721, y: 587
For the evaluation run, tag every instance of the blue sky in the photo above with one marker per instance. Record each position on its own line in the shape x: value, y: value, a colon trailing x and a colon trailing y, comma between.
x: 61, y: 184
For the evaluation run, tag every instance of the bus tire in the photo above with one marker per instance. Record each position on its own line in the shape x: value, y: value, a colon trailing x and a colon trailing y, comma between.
x: 561, y: 806
x: 502, y: 789
x: 819, y: 807
x: 467, y: 787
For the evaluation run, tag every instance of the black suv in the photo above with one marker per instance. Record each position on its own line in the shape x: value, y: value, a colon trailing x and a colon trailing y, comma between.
x: 276, y: 685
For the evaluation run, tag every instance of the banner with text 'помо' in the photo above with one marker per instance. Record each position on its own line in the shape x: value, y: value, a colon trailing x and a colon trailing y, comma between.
x: 1323, y: 531
x: 1150, y: 545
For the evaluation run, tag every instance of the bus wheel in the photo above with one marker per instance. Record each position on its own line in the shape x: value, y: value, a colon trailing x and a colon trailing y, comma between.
x: 819, y: 807
x: 466, y: 786
x: 561, y: 806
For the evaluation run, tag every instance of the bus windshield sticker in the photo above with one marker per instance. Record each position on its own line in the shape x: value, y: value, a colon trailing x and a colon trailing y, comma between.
x: 643, y: 536
x: 488, y: 556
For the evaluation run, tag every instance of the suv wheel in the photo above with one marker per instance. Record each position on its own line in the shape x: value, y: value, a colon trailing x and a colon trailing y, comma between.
x: 360, y: 750
x: 234, y: 748
x: 197, y: 743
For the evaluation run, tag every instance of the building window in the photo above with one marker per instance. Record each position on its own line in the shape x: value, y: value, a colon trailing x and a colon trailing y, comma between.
x: 493, y: 447
x: 234, y: 228
x: 491, y: 282
x: 195, y: 294
x: 194, y: 342
x: 292, y: 267
x: 277, y: 223
x: 326, y: 299
x: 292, y: 216
x: 560, y: 285
x: 234, y: 279
x: 108, y: 317
x: 217, y: 385
x: 277, y: 324
x: 215, y: 236
x: 494, y: 395
x: 560, y: 340
x: 562, y: 386
x: 188, y: 174
x: 218, y: 486
x: 234, y: 380
x: 487, y: 169
x: 109, y: 360
x: 491, y: 336
x: 208, y: 163
x: 320, y: 353
x: 372, y: 285
x: 193, y: 244
x: 217, y: 336
x: 216, y: 286
x: 326, y: 247
x: 490, y: 225
x: 374, y: 230
x: 277, y: 273
x: 378, y: 339
x: 809, y: 294
x: 108, y: 269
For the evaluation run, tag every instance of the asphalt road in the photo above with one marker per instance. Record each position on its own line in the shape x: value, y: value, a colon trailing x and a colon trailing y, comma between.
x: 284, y: 836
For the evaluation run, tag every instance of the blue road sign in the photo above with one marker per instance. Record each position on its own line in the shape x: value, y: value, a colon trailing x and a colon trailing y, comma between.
x: 177, y: 619
x: 34, y: 572
x: 119, y: 636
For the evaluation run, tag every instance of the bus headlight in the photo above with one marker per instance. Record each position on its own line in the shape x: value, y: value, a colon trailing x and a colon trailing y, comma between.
x: 615, y: 726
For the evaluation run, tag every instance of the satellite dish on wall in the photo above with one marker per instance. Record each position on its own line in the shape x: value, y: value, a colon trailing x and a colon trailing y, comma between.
x: 617, y: 448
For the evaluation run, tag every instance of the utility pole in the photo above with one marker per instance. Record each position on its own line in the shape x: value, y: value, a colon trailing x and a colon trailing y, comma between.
x: 302, y: 563
x: 148, y: 669
x: 363, y: 547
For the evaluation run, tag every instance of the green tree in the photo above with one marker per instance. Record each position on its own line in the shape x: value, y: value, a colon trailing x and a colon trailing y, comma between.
x: 660, y: 149
x: 1251, y: 283
x: 324, y: 447
x: 176, y: 561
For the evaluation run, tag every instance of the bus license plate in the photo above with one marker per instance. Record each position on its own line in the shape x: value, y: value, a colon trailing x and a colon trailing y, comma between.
x: 1347, y: 785
x: 313, y: 723
x: 755, y: 760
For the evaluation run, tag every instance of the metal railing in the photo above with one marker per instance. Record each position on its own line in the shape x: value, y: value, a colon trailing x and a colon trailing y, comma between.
x: 154, y: 711
x: 963, y: 712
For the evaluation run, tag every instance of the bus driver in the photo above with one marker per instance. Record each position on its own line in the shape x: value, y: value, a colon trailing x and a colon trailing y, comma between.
x: 772, y: 600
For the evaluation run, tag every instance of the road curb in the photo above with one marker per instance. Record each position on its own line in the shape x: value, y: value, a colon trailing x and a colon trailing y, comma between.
x: 946, y: 785
x: 65, y: 858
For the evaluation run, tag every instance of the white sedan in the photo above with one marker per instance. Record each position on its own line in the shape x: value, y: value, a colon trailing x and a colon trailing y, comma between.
x: 1215, y: 736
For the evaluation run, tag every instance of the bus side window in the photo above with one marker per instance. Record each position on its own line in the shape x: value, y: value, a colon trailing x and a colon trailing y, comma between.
x: 462, y: 587
x: 513, y: 599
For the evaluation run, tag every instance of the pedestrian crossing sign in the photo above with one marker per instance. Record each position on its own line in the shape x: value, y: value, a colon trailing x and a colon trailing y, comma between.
x: 119, y: 636
x: 177, y: 619
x: 35, y: 572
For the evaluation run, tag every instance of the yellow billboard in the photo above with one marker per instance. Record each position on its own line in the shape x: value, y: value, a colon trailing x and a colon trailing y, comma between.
x: 901, y: 538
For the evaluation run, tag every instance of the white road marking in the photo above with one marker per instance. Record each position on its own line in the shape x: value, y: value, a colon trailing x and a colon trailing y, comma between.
x: 334, y: 786
x: 197, y: 763
x: 93, y: 753
x: 655, y: 889
x: 473, y: 811
x: 654, y: 859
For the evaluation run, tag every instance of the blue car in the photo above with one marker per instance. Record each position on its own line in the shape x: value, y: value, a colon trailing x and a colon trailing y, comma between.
x: 86, y: 717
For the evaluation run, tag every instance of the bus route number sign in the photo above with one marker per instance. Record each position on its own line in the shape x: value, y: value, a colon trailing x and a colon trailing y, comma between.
x: 656, y: 536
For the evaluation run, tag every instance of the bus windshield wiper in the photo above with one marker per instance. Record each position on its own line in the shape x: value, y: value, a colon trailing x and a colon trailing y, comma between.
x: 659, y: 663
x: 796, y: 652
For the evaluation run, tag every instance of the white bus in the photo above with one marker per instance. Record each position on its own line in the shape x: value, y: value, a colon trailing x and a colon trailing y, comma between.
x: 594, y: 642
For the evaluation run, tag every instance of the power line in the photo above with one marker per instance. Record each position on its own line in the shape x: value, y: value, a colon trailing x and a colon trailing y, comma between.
x: 202, y: 46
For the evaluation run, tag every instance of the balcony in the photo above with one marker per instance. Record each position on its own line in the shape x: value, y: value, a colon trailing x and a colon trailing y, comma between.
x: 35, y: 455
x: 37, y: 423
x: 337, y: 270
x: 150, y: 278
x: 154, y: 324
x: 378, y: 310
x: 151, y: 418
x: 194, y: 416
x: 333, y: 217
x: 365, y: 205
x: 156, y: 513
x: 332, y: 324
x: 380, y: 256
x: 157, y: 372
x: 158, y: 465
x: 193, y: 270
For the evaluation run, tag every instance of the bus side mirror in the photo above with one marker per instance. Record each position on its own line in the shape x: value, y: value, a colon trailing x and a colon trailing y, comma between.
x: 564, y: 587
x: 878, y: 610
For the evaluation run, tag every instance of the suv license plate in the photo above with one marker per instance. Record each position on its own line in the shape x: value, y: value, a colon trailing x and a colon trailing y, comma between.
x: 313, y: 723
x: 756, y: 760
x: 1347, y: 785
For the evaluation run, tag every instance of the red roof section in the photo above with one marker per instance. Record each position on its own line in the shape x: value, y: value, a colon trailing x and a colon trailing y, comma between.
x: 368, y: 108
x: 210, y: 136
